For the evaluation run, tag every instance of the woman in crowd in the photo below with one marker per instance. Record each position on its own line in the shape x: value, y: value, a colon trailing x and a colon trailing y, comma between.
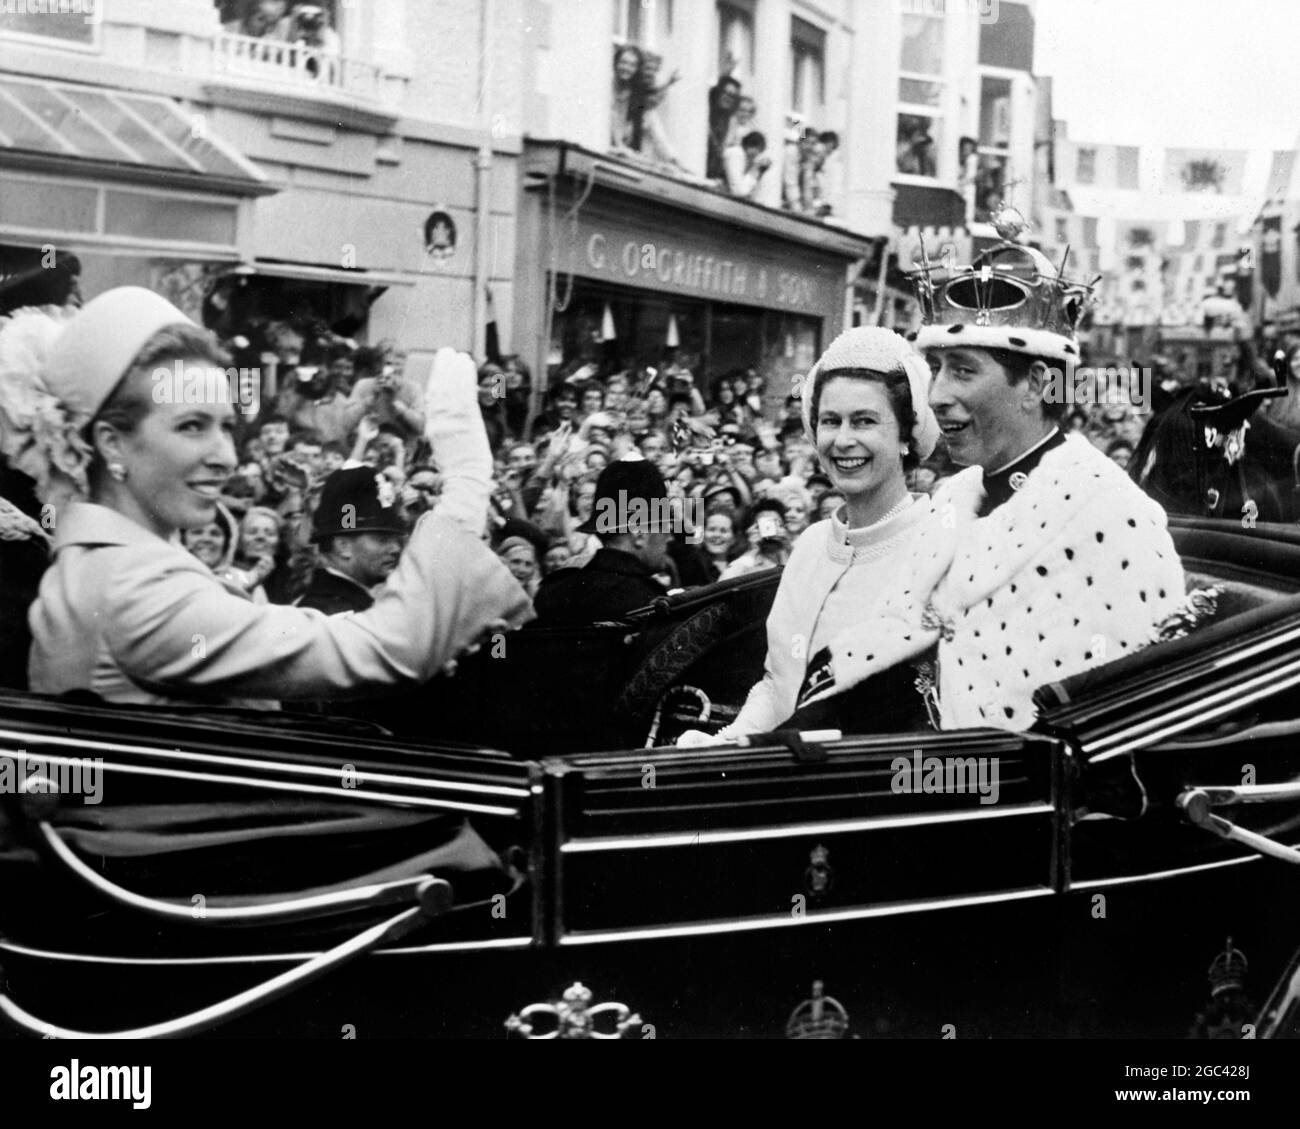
x: 261, y: 547
x: 769, y: 542
x: 829, y: 505
x: 126, y: 613
x: 866, y: 407
x: 719, y: 541
x: 797, y: 506
x: 520, y: 558
x: 634, y: 125
x: 214, y: 545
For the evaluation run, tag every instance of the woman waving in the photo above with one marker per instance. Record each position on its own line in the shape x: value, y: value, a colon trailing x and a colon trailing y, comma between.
x: 125, y: 612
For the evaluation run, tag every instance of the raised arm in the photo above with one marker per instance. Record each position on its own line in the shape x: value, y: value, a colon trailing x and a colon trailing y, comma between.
x: 172, y: 628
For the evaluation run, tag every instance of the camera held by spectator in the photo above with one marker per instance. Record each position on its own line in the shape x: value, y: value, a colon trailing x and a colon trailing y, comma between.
x: 309, y: 24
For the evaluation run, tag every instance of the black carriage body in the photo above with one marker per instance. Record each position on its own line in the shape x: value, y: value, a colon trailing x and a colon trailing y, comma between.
x: 708, y: 889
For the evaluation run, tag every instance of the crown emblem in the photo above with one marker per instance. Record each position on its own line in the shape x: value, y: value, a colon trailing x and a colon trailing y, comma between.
x: 386, y: 491
x: 821, y: 1017
x: 1010, y: 297
x: 819, y: 876
x: 573, y: 1017
x: 1228, y: 971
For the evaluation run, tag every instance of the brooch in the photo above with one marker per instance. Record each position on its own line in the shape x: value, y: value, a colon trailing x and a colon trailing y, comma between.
x: 927, y: 685
x: 1017, y: 481
x: 931, y: 620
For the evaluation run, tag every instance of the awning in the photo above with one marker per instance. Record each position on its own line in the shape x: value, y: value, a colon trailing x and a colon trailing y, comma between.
x: 64, y: 127
x: 307, y: 272
x: 545, y: 159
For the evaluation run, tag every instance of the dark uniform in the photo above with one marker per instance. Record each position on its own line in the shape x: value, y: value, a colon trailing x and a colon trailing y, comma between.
x: 613, y: 582
x: 333, y: 593
x: 352, y: 500
x: 609, y: 586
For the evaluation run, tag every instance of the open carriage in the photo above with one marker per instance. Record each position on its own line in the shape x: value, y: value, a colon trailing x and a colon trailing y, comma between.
x: 526, y: 827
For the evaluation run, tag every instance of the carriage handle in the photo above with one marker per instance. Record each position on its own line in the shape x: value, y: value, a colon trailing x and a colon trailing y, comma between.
x: 396, y: 892
x: 434, y: 898
x: 1195, y: 804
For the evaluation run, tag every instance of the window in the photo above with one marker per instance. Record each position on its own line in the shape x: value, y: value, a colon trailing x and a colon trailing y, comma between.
x: 1062, y: 230
x: 992, y: 172
x: 1086, y: 167
x: 1220, y: 235
x: 736, y: 40
x: 922, y: 93
x: 807, y: 68
x: 71, y: 24
x: 1090, y: 231
x: 647, y: 23
x: 1126, y: 166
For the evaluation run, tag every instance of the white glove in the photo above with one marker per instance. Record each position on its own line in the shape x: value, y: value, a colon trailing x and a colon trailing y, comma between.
x: 454, y: 427
x: 698, y: 739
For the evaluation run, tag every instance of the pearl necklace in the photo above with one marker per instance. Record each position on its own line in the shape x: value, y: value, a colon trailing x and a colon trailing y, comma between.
x: 893, y: 513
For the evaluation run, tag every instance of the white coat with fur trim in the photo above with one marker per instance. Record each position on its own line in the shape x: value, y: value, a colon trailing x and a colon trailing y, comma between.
x: 1074, y: 570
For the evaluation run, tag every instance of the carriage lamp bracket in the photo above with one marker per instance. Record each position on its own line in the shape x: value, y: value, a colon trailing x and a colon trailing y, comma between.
x: 1197, y: 806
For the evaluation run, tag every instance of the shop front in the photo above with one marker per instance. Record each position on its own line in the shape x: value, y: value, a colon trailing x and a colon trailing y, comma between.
x: 627, y: 270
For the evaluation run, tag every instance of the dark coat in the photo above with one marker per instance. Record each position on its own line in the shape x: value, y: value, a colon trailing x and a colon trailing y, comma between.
x: 23, y: 558
x: 609, y: 586
x: 334, y: 595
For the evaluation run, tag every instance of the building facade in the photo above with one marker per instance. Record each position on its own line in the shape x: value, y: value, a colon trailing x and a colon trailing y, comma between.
x: 360, y: 166
x: 720, y: 182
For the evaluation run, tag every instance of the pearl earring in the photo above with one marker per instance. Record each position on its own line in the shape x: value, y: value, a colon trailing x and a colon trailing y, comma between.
x: 117, y: 471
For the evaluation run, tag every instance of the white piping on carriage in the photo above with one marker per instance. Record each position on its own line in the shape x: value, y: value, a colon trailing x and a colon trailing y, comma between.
x: 1196, y: 713
x: 811, y: 917
x: 1159, y: 875
x: 16, y: 949
x: 338, y: 793
x: 38, y: 739
x: 793, y: 830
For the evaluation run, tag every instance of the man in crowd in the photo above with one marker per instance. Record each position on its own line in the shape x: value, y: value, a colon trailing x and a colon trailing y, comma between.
x: 386, y: 394
x: 627, y: 515
x: 1040, y: 560
x: 359, y: 531
x: 274, y: 433
x: 318, y: 399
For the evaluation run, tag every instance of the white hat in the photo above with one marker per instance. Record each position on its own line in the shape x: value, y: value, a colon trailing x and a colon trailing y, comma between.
x: 96, y: 348
x: 56, y: 371
x: 884, y: 351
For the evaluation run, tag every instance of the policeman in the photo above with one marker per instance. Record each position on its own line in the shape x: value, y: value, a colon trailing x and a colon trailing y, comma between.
x: 359, y: 530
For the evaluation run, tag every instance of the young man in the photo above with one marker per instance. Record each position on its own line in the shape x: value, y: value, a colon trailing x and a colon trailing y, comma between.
x: 628, y: 516
x: 1041, y: 559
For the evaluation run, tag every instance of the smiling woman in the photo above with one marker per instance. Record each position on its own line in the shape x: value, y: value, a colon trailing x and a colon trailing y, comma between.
x: 126, y: 613
x: 865, y: 405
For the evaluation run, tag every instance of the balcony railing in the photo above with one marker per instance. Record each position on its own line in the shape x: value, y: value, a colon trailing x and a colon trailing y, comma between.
x: 296, y: 67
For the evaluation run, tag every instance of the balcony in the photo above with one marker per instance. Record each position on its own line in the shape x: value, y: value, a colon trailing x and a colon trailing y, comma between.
x: 299, y: 69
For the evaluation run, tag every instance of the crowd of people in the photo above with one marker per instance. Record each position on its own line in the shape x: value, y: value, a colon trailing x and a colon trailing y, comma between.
x: 739, y: 158
x: 348, y: 495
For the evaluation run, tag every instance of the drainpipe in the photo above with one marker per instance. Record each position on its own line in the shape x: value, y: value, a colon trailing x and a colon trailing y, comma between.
x: 483, y: 183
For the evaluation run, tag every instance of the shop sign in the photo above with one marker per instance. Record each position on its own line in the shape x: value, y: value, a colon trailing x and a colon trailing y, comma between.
x: 708, y: 272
